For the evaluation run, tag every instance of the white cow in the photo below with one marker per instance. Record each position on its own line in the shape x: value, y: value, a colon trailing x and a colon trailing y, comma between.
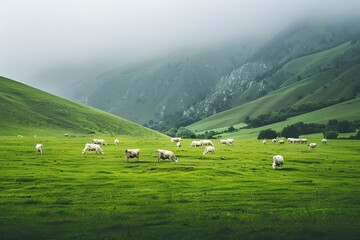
x: 92, y: 147
x: 278, y: 161
x: 324, y: 141
x: 195, y: 144
x: 312, y: 145
x: 166, y: 154
x: 209, y: 149
x: 281, y: 141
x: 206, y: 143
x: 39, y: 147
x: 178, y: 144
x: 264, y: 141
x: 132, y: 153
x: 178, y: 139
x: 116, y: 141
x: 274, y: 140
x: 99, y: 141
x: 228, y: 141
x: 297, y: 140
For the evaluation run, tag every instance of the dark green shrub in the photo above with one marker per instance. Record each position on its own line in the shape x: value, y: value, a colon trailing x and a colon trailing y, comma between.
x: 267, y: 134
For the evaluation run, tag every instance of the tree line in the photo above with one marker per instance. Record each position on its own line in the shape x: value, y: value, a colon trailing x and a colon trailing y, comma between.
x: 330, y: 130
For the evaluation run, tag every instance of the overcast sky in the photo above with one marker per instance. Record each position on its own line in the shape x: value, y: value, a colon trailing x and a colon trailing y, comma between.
x: 39, y: 35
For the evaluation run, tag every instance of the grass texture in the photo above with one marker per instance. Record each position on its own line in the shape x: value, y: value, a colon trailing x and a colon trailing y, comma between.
x: 231, y: 194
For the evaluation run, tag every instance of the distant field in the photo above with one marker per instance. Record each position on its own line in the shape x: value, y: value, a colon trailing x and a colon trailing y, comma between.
x: 349, y: 110
x: 232, y: 194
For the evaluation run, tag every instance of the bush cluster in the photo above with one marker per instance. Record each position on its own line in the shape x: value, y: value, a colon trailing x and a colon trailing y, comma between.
x: 330, y: 130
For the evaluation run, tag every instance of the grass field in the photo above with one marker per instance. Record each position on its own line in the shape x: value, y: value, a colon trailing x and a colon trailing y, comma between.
x: 231, y: 194
x: 349, y: 110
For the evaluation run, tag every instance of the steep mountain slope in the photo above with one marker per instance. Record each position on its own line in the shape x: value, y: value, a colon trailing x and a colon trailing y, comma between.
x: 262, y: 73
x: 151, y: 90
x: 332, y: 76
x: 25, y: 110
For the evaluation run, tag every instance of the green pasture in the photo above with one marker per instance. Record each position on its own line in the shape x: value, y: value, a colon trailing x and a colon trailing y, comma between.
x: 232, y: 194
x: 348, y: 110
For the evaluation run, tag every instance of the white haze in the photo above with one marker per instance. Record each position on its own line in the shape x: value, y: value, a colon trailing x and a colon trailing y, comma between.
x: 44, y: 41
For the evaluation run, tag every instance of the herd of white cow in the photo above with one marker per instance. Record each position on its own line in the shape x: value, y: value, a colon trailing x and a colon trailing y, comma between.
x: 95, y: 145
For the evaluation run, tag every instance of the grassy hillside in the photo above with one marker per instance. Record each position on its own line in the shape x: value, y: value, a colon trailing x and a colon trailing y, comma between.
x: 349, y: 110
x: 232, y: 194
x: 25, y: 110
x: 334, y: 83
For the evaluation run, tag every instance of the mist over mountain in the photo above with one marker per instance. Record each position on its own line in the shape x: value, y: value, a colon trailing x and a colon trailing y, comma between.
x: 190, y: 85
x: 52, y: 45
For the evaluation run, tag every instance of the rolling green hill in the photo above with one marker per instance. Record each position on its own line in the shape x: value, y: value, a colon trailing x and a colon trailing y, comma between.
x: 26, y: 111
x: 331, y: 76
x: 348, y: 110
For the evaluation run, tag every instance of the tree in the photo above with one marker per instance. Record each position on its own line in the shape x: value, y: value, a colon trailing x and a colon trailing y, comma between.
x: 231, y: 129
x: 185, y: 133
x: 171, y: 132
x: 332, y: 125
x: 331, y: 135
x: 345, y: 126
x: 267, y: 134
x: 290, y: 131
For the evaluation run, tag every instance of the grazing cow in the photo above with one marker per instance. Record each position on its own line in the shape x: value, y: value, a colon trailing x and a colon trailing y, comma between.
x: 281, y: 142
x: 206, y: 143
x: 324, y: 141
x: 39, y: 147
x: 303, y: 140
x: 132, y: 153
x: 178, y: 139
x: 116, y: 141
x: 92, y: 147
x: 228, y: 141
x: 195, y: 144
x: 165, y: 154
x: 99, y: 141
x: 312, y: 145
x: 264, y: 141
x: 274, y: 140
x: 278, y: 161
x: 209, y: 149
x: 178, y: 144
